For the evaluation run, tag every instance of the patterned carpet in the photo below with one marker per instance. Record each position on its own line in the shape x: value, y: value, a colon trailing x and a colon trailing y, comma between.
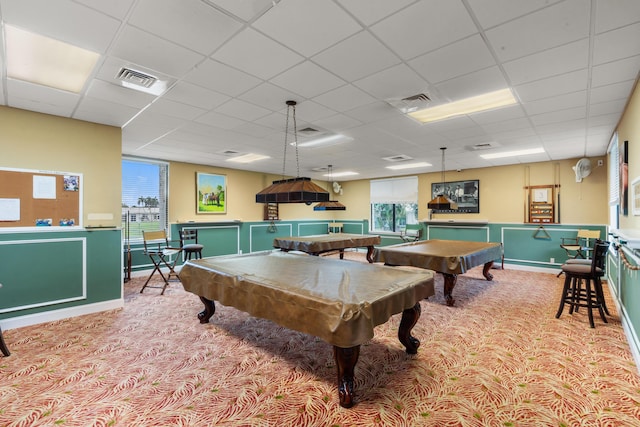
x: 498, y: 358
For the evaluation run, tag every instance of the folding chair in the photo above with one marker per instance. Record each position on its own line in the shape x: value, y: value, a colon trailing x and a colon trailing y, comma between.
x: 579, y: 246
x: 411, y: 233
x: 156, y: 246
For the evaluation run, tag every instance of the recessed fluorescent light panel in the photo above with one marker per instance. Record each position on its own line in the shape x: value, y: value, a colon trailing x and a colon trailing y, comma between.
x: 513, y: 153
x: 475, y: 104
x: 341, y: 174
x: 327, y: 140
x: 409, y: 166
x: 247, y: 158
x: 37, y: 59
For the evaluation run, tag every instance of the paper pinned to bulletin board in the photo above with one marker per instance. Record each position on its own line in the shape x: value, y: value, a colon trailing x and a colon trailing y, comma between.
x: 9, y: 209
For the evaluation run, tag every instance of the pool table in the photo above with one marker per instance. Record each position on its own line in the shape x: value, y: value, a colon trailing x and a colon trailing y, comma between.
x: 449, y: 257
x: 321, y: 243
x: 338, y: 301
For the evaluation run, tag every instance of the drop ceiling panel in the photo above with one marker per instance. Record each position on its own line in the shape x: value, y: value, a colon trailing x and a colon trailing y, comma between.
x: 228, y: 81
x: 459, y: 58
x: 196, y: 96
x: 396, y: 82
x: 407, y: 33
x: 257, y: 55
x: 345, y: 98
x: 616, y: 71
x: 562, y: 23
x: 553, y: 86
x: 476, y: 83
x: 308, y: 80
x: 616, y: 44
x: 307, y: 19
x: 496, y: 12
x: 198, y: 27
x: 358, y: 56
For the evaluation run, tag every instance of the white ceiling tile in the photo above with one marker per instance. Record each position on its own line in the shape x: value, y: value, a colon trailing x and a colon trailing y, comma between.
x: 222, y: 121
x: 198, y: 27
x: 246, y: 10
x: 256, y: 54
x: 358, y: 56
x: 116, y: 8
x: 371, y: 11
x: 555, y: 103
x: 308, y: 80
x: 373, y: 112
x: 345, y: 98
x: 338, y: 122
x: 492, y: 13
x: 477, y: 83
x: 561, y: 116
x: 307, y: 26
x: 118, y: 94
x: 242, y: 110
x: 197, y: 96
x: 152, y: 52
x: 606, y: 108
x: 228, y: 81
x: 616, y: 13
x: 570, y: 57
x: 498, y: 115
x: 552, y: 86
x: 424, y: 26
x: 553, y: 26
x: 611, y: 92
x: 101, y: 111
x: 616, y: 44
x: 74, y: 23
x: 459, y: 58
x: 617, y: 71
x: 175, y: 109
x: 399, y: 81
x: 58, y: 102
x: 311, y: 111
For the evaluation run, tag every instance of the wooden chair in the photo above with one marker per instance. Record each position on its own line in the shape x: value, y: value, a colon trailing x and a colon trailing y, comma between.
x: 156, y: 246
x: 411, y: 233
x: 189, y: 244
x: 583, y: 285
x: 580, y: 245
x: 3, y: 345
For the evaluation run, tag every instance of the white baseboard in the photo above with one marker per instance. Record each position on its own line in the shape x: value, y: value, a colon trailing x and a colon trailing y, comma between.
x: 64, y: 313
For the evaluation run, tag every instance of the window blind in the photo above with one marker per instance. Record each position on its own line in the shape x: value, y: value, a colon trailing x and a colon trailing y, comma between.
x: 614, y: 171
x: 394, y: 190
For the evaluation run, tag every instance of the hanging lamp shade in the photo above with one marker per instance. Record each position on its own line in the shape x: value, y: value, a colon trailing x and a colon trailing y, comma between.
x: 292, y: 190
x: 330, y: 205
x: 441, y: 201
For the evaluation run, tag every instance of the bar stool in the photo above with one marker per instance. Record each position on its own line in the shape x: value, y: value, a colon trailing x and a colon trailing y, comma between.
x: 193, y: 248
x: 3, y: 345
x: 583, y: 285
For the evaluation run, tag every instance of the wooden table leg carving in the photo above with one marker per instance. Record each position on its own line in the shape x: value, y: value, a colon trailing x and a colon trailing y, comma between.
x: 209, y: 309
x: 370, y: 254
x: 485, y: 270
x: 409, y: 319
x: 346, y: 359
x: 449, y: 283
x: 3, y: 345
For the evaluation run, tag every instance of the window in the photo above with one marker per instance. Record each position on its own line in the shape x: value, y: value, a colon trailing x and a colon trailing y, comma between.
x: 144, y: 196
x: 394, y: 203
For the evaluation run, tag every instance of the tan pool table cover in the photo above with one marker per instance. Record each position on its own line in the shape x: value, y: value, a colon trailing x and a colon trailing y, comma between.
x: 336, y: 300
x: 444, y: 256
x: 325, y: 242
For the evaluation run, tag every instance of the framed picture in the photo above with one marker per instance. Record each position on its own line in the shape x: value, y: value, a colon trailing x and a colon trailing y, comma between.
x: 465, y: 193
x: 635, y: 196
x: 211, y: 193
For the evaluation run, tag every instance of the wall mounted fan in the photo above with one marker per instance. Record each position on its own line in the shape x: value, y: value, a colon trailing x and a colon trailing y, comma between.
x: 582, y: 169
x: 337, y: 188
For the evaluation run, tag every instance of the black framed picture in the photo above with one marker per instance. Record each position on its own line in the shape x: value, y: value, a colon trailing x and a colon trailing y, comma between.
x: 465, y: 193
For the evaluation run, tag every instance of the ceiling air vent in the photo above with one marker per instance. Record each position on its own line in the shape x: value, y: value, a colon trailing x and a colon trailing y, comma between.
x: 137, y: 78
x: 309, y: 131
x: 410, y: 103
x: 229, y: 152
x: 398, y: 158
x: 482, y: 146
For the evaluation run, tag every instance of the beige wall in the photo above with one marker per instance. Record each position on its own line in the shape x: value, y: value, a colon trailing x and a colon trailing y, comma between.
x: 629, y: 130
x: 502, y: 194
x: 31, y: 140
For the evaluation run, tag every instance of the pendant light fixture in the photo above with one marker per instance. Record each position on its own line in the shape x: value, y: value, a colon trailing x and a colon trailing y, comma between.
x: 293, y: 190
x: 441, y: 201
x: 331, y: 205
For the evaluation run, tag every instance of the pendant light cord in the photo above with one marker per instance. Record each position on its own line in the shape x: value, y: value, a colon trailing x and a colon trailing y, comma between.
x: 291, y: 106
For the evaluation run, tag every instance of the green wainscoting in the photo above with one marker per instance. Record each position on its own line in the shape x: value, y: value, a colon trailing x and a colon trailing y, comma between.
x: 59, y: 270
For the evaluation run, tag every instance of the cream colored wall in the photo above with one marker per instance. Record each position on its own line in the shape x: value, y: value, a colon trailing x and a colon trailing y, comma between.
x: 629, y: 130
x: 502, y: 194
x: 31, y: 140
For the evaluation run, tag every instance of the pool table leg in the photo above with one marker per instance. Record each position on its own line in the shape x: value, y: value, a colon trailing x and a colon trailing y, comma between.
x: 346, y: 359
x: 370, y: 254
x: 409, y: 319
x: 209, y: 309
x: 449, y: 283
x: 485, y: 270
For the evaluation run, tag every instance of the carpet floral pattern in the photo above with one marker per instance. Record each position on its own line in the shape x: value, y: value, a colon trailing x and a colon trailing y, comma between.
x: 498, y: 358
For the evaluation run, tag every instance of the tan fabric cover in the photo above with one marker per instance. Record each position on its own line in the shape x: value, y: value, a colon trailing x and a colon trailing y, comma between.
x: 336, y: 300
x: 444, y: 256
x: 325, y: 242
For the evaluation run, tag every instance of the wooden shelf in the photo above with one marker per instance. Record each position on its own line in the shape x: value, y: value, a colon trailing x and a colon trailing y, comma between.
x: 542, y: 204
x: 271, y: 212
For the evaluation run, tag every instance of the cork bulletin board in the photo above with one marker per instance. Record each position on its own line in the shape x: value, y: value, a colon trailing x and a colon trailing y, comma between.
x: 32, y: 198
